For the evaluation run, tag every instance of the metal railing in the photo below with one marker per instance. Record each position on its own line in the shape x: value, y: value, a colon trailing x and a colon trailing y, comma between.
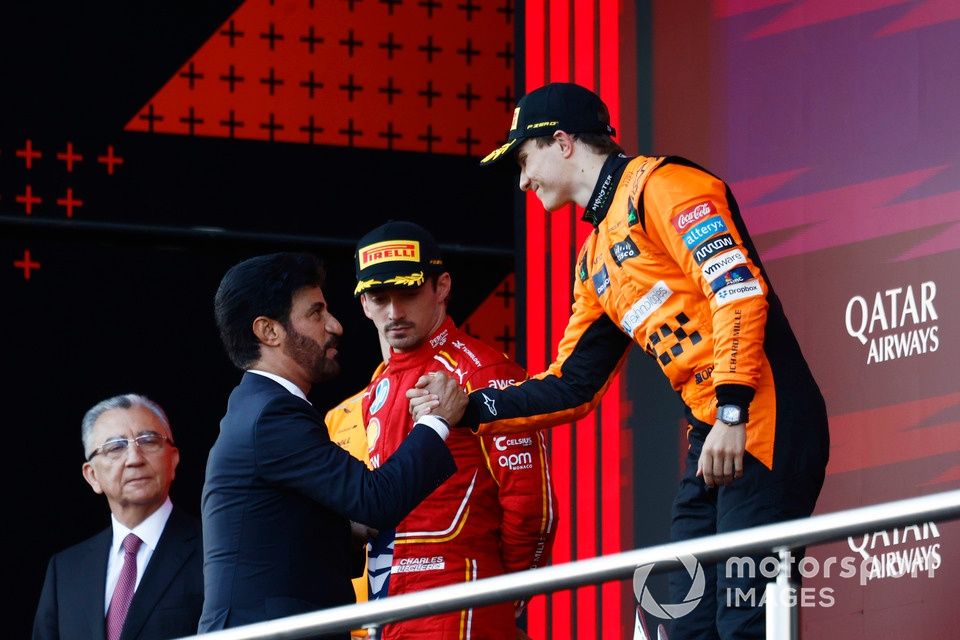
x: 774, y: 538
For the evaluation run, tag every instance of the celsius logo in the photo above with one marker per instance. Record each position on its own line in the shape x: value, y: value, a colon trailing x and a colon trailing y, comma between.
x: 692, y: 216
x: 896, y: 324
x: 670, y: 611
x: 712, y: 247
x: 502, y: 443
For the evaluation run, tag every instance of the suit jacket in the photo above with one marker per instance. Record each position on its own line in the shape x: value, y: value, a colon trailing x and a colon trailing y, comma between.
x: 166, y: 604
x: 277, y: 502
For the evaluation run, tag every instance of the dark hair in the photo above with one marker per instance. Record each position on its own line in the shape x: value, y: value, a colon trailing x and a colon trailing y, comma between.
x: 600, y: 142
x: 260, y: 286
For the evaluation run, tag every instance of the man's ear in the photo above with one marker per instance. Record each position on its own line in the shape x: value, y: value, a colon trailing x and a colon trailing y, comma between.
x: 363, y: 304
x: 90, y: 475
x: 175, y: 456
x: 443, y: 287
x: 268, y: 331
x: 565, y: 140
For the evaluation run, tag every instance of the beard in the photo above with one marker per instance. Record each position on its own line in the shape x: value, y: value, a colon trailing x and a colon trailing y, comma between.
x: 310, y: 355
x: 409, y: 341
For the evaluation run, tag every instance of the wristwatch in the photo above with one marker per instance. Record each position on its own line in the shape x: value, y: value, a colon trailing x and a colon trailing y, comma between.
x: 731, y: 414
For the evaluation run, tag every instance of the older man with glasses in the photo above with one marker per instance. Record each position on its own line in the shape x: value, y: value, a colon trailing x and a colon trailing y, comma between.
x: 142, y: 577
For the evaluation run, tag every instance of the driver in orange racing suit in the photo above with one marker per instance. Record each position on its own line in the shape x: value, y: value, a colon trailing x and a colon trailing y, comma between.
x: 669, y: 265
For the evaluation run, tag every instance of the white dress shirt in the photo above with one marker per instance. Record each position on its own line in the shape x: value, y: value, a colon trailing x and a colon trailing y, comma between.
x: 149, y: 532
x: 283, y: 382
x: 434, y: 422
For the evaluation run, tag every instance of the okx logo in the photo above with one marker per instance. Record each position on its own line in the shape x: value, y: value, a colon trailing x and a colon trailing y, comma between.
x: 675, y: 610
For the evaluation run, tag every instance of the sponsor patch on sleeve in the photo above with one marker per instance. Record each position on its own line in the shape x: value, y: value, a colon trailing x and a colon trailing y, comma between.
x: 707, y: 228
x: 601, y: 281
x: 687, y: 218
x: 582, y: 271
x: 722, y: 262
x: 748, y: 289
x: 712, y: 247
x: 734, y: 276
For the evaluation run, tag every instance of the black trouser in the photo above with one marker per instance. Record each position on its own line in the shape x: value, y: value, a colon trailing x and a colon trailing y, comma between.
x: 730, y: 607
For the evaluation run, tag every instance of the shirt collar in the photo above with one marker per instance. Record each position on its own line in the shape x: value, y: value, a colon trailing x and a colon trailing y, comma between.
x: 425, y: 351
x: 606, y: 186
x: 283, y: 382
x: 148, y: 531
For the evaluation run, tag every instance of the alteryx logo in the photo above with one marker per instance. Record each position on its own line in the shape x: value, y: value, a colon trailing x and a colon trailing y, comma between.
x: 707, y: 228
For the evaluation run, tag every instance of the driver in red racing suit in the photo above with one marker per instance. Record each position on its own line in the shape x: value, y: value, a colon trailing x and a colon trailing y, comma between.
x: 497, y: 513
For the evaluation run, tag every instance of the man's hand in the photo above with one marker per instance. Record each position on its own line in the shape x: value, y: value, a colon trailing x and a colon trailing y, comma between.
x: 361, y: 533
x: 437, y: 394
x: 721, y: 460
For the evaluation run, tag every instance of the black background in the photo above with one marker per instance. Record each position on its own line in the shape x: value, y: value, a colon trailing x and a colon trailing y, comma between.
x: 129, y: 309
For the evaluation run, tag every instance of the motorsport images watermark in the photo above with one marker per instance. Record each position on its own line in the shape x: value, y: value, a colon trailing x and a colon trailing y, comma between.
x: 864, y: 569
x: 676, y: 610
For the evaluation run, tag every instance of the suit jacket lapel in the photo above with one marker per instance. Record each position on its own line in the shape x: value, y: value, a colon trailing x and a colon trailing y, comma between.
x: 91, y: 577
x: 168, y: 558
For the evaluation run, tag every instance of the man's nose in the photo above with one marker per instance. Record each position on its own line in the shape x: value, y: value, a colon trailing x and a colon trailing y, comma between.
x: 524, y: 181
x: 334, y: 326
x: 395, y: 310
x: 134, y: 454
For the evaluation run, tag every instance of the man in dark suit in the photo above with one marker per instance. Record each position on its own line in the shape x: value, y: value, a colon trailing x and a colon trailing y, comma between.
x: 279, y: 496
x: 141, y: 578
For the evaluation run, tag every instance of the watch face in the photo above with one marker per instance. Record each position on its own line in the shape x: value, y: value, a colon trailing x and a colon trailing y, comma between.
x: 730, y: 414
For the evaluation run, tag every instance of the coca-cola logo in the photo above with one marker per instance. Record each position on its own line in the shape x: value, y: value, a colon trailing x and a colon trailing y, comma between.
x: 691, y: 216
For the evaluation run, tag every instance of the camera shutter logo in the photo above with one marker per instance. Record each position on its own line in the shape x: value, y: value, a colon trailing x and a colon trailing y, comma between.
x: 670, y: 611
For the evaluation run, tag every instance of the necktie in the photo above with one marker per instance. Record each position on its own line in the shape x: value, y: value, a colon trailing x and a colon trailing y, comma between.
x: 123, y: 593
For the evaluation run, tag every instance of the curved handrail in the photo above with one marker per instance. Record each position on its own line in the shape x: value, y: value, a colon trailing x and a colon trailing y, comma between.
x: 765, y: 539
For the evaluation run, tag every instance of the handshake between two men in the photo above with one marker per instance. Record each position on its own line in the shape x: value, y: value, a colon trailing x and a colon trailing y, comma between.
x: 437, y: 394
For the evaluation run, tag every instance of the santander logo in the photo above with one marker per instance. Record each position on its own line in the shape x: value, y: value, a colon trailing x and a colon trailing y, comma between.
x: 691, y: 216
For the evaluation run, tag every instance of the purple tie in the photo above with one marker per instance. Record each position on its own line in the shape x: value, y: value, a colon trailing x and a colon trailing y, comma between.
x: 123, y: 593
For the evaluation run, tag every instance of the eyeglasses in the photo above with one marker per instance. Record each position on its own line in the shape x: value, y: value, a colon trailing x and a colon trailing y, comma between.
x: 117, y: 448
